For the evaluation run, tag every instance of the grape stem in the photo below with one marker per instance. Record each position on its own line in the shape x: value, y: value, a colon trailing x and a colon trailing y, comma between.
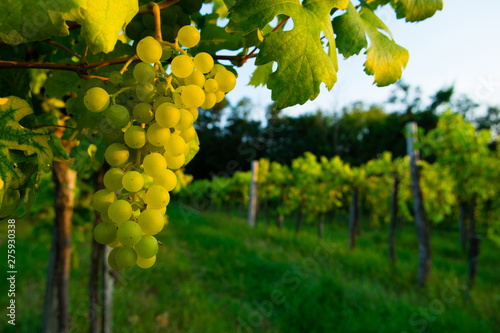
x: 147, y: 8
x: 156, y: 14
x: 124, y: 68
x: 113, y: 96
x: 175, y: 46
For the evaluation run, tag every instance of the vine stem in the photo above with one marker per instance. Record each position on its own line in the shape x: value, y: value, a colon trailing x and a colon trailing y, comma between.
x: 56, y: 44
x: 252, y: 53
x: 124, y: 68
x: 147, y: 8
x: 48, y: 125
x: 156, y: 14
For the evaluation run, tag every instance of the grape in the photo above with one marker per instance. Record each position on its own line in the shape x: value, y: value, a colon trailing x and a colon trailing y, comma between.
x: 114, y: 243
x: 134, y: 29
x: 156, y: 197
x: 166, y: 178
x: 219, y: 96
x: 217, y: 68
x: 196, y: 78
x: 226, y: 80
x: 104, y: 216
x: 142, y: 113
x: 113, y: 179
x: 145, y: 92
x: 210, y: 100
x: 178, y: 100
x: 151, y: 221
x: 175, y: 146
x: 133, y: 181
x: 115, y: 77
x: 135, y: 137
x: 162, y: 211
x: 147, y: 247
x: 149, y: 50
x: 96, y: 99
x: 211, y: 86
x: 155, y: 149
x: 148, y: 21
x: 102, y: 199
x: 116, y: 154
x: 174, y: 162
x: 191, y: 6
x: 120, y: 211
x: 167, y: 52
x: 182, y: 66
x: 183, y: 18
x: 145, y: 263
x: 194, y: 112
x: 167, y: 115
x: 105, y: 232
x: 125, y: 257
x: 158, y: 135
x: 203, y: 62
x: 162, y: 100
x: 148, y: 180
x: 185, y: 121
x: 168, y: 15
x: 188, y: 134
x: 144, y: 73
x: 129, y: 233
x: 112, y: 136
x: 112, y: 259
x: 154, y: 164
x: 188, y: 36
x: 117, y: 116
x: 168, y: 32
x: 192, y: 96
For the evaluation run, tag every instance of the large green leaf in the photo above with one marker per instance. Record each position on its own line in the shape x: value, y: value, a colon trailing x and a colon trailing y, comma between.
x: 303, y: 63
x: 24, y: 154
x: 15, y: 137
x: 101, y: 20
x: 385, y: 59
x: 416, y: 10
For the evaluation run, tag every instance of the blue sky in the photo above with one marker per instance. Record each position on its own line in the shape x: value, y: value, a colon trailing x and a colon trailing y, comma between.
x: 459, y: 45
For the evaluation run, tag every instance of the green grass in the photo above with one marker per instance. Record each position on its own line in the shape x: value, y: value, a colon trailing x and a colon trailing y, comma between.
x: 215, y: 274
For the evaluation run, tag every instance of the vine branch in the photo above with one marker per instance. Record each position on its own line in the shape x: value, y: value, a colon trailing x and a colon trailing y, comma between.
x: 56, y: 44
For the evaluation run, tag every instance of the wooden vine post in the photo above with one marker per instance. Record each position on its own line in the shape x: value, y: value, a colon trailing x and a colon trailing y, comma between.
x: 252, y: 198
x: 421, y: 224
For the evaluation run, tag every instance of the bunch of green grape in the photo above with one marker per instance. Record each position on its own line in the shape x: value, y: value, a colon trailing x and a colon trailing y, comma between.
x: 173, y: 18
x: 152, y: 116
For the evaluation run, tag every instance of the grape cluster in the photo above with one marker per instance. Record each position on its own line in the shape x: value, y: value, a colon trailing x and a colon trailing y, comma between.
x: 152, y: 114
x: 173, y: 18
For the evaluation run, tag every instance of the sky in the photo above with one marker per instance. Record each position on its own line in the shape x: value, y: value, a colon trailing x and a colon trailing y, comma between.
x: 459, y: 46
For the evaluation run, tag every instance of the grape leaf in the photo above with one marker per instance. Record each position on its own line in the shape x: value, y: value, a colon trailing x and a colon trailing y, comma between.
x: 416, y: 10
x: 101, y: 20
x: 385, y: 59
x: 215, y: 38
x: 303, y: 63
x: 59, y: 83
x: 261, y: 75
x: 15, y: 139
x: 194, y: 147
